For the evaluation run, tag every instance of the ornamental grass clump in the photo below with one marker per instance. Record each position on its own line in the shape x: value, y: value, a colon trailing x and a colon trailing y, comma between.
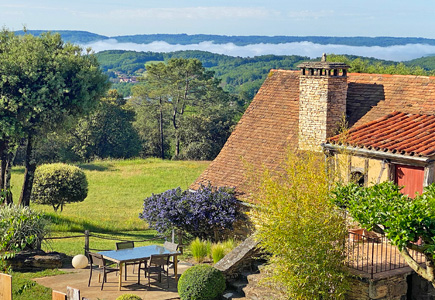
x: 200, y: 213
x: 200, y: 249
x: 217, y: 252
x: 20, y: 229
x: 201, y: 282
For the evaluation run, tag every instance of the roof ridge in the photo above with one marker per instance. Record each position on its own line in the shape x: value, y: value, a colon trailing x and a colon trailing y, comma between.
x: 391, y: 75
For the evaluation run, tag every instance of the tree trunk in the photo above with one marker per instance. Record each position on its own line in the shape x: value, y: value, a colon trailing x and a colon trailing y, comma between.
x: 162, y: 147
x: 7, y: 186
x: 177, y: 145
x: 30, y: 167
x: 3, y: 163
x: 6, y: 158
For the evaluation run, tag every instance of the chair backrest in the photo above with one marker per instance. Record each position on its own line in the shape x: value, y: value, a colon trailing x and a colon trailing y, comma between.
x: 96, y: 259
x: 159, y: 259
x: 171, y: 246
x: 124, y: 245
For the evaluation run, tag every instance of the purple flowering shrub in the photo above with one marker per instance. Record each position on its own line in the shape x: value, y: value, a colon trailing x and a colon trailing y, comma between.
x: 198, y: 213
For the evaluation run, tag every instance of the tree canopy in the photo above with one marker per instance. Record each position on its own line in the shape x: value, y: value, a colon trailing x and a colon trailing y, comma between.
x: 175, y: 95
x: 43, y: 82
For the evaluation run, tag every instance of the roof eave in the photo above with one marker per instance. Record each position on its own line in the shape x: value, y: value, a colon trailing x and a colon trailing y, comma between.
x: 419, y: 160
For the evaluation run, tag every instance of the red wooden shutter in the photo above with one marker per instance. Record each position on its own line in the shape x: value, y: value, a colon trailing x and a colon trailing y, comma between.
x: 411, y: 178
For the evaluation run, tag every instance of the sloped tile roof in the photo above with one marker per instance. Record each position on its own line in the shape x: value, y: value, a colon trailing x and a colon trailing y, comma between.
x: 267, y: 128
x: 372, y: 96
x: 270, y: 124
x: 398, y: 133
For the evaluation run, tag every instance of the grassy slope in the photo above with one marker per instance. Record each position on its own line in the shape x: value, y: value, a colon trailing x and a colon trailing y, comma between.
x: 116, y: 192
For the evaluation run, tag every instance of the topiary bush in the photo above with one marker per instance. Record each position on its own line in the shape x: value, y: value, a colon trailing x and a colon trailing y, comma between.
x: 129, y: 297
x: 58, y: 184
x: 201, y: 282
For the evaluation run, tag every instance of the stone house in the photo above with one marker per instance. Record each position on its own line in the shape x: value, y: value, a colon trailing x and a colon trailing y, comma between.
x: 391, y: 136
x: 303, y: 110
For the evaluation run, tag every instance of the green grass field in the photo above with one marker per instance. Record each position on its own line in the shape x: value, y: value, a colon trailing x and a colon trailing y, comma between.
x: 117, y: 189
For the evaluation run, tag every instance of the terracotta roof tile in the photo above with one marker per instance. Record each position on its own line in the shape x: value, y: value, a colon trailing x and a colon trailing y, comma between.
x: 268, y: 127
x: 398, y: 132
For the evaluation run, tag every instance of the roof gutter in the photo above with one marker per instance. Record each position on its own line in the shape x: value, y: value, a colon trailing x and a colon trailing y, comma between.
x: 376, y: 154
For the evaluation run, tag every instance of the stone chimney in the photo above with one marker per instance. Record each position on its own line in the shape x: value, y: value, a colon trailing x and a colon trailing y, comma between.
x: 322, y: 101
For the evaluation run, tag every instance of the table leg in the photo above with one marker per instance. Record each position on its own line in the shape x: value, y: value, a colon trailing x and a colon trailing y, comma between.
x: 175, y: 268
x: 121, y: 265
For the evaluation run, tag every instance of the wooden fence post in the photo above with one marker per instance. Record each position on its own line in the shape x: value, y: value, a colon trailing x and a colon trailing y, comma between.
x: 5, y: 287
x: 86, y: 242
x: 180, y: 237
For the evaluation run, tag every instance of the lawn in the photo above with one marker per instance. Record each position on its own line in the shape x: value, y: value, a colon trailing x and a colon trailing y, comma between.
x: 117, y: 189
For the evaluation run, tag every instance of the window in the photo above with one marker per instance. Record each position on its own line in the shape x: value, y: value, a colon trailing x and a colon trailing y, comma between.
x: 357, y: 177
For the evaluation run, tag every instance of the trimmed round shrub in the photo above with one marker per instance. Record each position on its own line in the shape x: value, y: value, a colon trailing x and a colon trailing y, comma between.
x: 201, y: 282
x: 129, y: 297
x: 58, y: 184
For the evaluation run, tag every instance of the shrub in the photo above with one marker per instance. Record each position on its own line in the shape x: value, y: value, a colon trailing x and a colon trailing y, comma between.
x: 200, y: 213
x: 304, y: 232
x: 20, y: 228
x: 199, y: 249
x: 201, y: 282
x: 129, y: 297
x: 217, y: 252
x: 57, y: 184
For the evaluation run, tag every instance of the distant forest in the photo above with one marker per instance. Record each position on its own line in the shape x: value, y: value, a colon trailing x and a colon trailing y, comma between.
x: 240, y: 76
x: 186, y: 39
x: 244, y: 76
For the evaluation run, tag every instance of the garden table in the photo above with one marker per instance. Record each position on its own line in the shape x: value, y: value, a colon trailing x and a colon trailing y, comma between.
x: 137, y: 254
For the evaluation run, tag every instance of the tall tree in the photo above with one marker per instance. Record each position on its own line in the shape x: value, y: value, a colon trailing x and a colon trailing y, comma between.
x: 107, y: 132
x: 44, y: 80
x: 188, y: 82
x: 186, y: 88
x: 154, y: 94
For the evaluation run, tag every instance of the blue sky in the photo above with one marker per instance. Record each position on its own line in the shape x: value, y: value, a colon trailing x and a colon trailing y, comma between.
x: 237, y: 17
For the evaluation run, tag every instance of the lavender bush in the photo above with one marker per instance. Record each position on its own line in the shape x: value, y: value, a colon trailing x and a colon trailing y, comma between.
x: 198, y: 213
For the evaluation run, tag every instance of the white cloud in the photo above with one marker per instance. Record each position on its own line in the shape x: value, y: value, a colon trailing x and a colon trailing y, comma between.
x: 310, y: 14
x: 396, y: 53
x: 191, y: 13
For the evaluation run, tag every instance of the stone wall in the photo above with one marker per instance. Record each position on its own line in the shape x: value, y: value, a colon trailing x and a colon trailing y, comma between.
x: 322, y: 104
x: 390, y: 288
x: 420, y: 289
